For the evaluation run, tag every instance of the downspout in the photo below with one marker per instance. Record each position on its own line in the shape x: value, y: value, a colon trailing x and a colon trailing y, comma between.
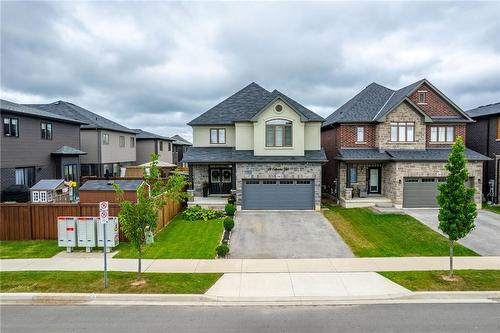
x: 99, y: 157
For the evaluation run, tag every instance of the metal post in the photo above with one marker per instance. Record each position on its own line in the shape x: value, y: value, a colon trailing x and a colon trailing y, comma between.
x: 105, y: 257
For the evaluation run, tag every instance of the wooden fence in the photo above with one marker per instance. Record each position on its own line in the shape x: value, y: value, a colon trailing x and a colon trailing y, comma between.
x: 27, y: 221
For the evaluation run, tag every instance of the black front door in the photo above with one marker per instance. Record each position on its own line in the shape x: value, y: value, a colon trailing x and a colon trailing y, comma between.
x: 374, y: 180
x: 220, y: 180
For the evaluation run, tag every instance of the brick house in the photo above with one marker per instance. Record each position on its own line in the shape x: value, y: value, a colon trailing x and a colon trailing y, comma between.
x: 261, y: 145
x: 484, y: 137
x: 389, y: 147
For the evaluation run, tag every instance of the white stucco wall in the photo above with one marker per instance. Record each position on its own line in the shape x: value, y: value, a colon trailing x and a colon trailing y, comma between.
x: 312, y: 136
x: 244, y: 136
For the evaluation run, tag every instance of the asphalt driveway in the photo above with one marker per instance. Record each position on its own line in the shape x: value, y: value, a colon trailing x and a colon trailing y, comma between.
x: 285, y: 234
x: 484, y: 239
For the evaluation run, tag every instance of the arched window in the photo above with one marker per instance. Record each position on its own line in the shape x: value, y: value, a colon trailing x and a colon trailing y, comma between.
x: 279, y: 133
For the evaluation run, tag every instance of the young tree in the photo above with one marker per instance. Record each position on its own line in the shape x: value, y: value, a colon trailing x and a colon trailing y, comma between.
x: 457, y: 210
x: 137, y: 218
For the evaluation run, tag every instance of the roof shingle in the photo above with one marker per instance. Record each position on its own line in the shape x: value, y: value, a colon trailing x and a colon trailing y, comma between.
x: 485, y: 110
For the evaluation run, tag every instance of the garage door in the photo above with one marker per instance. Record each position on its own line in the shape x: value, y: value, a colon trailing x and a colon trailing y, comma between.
x: 275, y: 194
x: 422, y: 192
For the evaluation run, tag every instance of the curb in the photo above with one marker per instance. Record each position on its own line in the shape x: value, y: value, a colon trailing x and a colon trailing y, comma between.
x: 205, y: 300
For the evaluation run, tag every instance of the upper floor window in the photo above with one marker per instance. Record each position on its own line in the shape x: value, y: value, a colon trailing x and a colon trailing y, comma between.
x: 46, y: 129
x: 105, y: 139
x: 422, y: 97
x: 360, y: 134
x: 161, y: 145
x: 402, y: 132
x: 10, y: 127
x: 132, y: 142
x: 122, y: 141
x: 218, y: 135
x: 279, y: 133
x: 498, y: 128
x: 442, y: 134
x: 169, y: 146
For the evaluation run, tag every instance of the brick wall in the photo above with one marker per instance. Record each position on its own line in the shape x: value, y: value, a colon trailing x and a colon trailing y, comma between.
x: 435, y: 105
x: 348, y: 136
x: 459, y: 131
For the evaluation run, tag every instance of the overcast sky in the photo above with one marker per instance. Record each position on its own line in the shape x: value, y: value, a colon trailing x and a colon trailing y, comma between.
x: 156, y: 66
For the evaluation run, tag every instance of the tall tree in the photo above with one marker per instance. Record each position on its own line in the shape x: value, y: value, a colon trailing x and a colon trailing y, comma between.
x: 138, y: 218
x: 457, y: 210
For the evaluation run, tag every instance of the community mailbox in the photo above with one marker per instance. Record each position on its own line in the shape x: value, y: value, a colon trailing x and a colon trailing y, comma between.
x: 66, y: 232
x: 112, y: 233
x: 86, y: 232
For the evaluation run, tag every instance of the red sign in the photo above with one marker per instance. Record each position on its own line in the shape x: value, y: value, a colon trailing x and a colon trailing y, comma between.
x: 70, y: 229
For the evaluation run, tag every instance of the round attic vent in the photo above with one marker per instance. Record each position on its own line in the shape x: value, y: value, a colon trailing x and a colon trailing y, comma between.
x: 278, y: 107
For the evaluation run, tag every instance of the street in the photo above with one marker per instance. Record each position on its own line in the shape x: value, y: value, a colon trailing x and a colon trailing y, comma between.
x: 341, y: 318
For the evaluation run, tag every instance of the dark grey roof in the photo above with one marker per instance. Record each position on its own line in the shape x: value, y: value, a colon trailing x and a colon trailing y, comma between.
x: 485, y: 110
x: 374, y: 102
x: 179, y: 140
x: 93, y: 120
x: 34, y: 112
x: 361, y: 154
x: 228, y: 154
x: 374, y: 154
x: 107, y: 185
x: 143, y: 135
x: 66, y: 150
x: 245, y: 104
x: 48, y: 184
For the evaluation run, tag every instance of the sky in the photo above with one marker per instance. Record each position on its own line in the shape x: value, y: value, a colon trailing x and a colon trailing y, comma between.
x: 157, y: 65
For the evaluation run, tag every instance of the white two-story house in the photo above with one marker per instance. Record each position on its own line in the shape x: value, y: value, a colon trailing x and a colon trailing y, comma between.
x: 263, y: 146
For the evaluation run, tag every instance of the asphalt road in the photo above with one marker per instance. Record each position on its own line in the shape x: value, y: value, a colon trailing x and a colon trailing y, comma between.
x: 355, y: 318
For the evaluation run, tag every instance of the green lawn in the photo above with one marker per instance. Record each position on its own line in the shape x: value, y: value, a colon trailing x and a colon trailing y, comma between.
x: 467, y: 280
x: 28, y: 249
x: 118, y: 282
x: 388, y: 235
x: 181, y: 239
x: 494, y: 209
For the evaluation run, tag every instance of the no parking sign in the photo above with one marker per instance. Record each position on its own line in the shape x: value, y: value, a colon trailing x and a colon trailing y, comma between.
x: 104, y: 211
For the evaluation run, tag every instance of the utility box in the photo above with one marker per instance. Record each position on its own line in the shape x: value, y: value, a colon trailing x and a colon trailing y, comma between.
x: 112, y: 233
x: 86, y: 227
x: 66, y: 232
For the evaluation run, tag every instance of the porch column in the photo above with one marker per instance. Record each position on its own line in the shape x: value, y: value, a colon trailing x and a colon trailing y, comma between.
x: 233, y: 176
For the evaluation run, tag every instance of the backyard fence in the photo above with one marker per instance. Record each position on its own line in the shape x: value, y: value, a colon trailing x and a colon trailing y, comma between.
x: 28, y: 221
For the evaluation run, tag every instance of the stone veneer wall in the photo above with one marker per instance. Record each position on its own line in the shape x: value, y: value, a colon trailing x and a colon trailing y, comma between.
x: 279, y: 171
x: 403, y: 113
x: 362, y: 170
x: 200, y: 175
x: 396, y: 171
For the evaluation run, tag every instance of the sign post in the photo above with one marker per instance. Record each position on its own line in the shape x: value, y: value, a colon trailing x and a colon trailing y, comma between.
x: 103, y: 214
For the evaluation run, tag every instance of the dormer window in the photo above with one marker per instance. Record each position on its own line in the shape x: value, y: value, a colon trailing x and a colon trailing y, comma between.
x: 422, y: 97
x: 278, y: 108
x: 279, y: 133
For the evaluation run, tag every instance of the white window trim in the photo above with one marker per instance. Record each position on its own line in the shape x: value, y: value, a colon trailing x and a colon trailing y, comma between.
x: 362, y: 141
x: 422, y: 92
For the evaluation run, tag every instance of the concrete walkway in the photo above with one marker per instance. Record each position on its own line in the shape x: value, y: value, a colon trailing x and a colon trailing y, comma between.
x: 68, y: 262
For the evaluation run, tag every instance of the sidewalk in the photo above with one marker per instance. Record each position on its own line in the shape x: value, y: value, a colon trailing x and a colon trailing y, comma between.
x: 68, y: 262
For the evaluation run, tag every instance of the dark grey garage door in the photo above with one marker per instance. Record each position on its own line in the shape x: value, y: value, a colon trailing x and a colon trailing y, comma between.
x: 422, y: 192
x: 278, y: 194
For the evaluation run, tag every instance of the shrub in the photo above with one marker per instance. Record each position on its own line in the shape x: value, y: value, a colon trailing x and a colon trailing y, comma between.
x: 195, y: 213
x: 222, y: 250
x: 228, y: 223
x: 230, y: 209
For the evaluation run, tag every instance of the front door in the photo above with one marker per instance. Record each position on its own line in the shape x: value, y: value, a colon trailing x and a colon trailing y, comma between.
x: 220, y: 180
x: 374, y: 180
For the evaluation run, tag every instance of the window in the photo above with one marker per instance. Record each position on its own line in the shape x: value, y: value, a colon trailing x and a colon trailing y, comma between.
x: 161, y: 145
x: 10, y: 127
x: 43, y: 196
x: 25, y: 176
x: 35, y: 196
x: 352, y: 174
x: 70, y: 172
x: 46, y: 129
x: 303, y: 182
x: 218, y: 135
x: 132, y: 142
x: 105, y: 139
x: 107, y: 170
x: 402, y: 132
x: 286, y: 182
x: 169, y: 146
x: 279, y: 133
x: 360, y: 134
x: 116, y: 169
x: 122, y: 141
x: 88, y: 170
x: 269, y: 182
x: 442, y: 134
x: 251, y: 182
x: 422, y: 97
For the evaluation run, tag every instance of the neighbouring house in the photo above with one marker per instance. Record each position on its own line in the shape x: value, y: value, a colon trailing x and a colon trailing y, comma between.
x: 179, y: 146
x: 109, y: 145
x: 389, y: 147
x: 97, y: 190
x: 262, y: 146
x: 149, y: 143
x: 484, y: 137
x: 37, y: 145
